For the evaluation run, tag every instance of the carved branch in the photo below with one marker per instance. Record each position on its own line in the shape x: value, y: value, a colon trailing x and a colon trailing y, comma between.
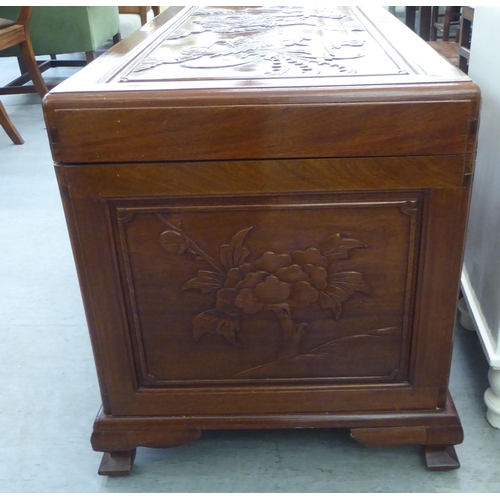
x: 292, y: 334
x: 193, y: 247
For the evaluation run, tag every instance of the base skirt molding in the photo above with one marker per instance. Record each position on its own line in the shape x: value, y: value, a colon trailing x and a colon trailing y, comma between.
x: 437, y: 431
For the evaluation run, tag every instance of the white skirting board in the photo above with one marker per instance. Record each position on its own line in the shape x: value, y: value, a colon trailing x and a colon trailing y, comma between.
x: 491, y: 347
x: 488, y: 341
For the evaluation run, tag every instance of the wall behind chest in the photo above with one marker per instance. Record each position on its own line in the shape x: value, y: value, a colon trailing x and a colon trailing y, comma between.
x: 481, y: 277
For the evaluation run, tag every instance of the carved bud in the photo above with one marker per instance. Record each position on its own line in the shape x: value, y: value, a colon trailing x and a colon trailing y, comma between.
x: 174, y: 242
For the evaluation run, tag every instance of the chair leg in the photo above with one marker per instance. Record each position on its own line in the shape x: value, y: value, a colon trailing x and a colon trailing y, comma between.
x: 143, y: 13
x: 32, y: 67
x: 22, y: 67
x: 8, y: 126
x: 90, y: 56
x: 117, y: 38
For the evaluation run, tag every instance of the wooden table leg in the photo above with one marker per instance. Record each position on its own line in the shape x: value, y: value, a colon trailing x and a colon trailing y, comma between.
x: 8, y: 126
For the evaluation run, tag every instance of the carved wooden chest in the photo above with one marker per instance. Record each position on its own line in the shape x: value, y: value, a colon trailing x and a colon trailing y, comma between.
x: 267, y: 209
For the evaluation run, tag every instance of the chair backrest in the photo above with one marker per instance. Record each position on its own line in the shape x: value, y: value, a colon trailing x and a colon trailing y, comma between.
x: 24, y: 15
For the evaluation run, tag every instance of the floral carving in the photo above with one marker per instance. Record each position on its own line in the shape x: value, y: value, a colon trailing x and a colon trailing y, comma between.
x: 273, y: 282
x: 264, y: 36
x: 258, y: 43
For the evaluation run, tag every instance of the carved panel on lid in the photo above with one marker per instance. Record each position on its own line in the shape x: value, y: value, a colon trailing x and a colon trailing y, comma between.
x: 268, y: 42
x: 269, y: 288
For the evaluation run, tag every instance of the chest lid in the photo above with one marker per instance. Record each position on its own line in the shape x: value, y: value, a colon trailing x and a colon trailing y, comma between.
x: 264, y: 82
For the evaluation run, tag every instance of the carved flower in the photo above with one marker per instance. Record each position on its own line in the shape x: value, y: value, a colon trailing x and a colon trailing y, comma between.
x: 247, y: 301
x: 314, y: 265
x: 268, y: 294
x: 252, y: 279
x: 275, y: 282
x: 225, y: 301
x: 236, y: 274
x: 310, y: 256
x: 302, y: 294
x: 272, y: 291
x: 317, y: 276
x: 291, y: 274
x: 271, y: 262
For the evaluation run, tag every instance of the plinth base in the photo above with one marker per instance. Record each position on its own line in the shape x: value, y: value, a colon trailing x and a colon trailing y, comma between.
x: 436, y: 430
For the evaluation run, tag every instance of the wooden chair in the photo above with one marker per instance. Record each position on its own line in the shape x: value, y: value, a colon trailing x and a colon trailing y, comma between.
x: 451, y: 17
x: 429, y: 21
x: 56, y: 30
x: 17, y: 33
x: 465, y: 38
x: 8, y: 126
x: 457, y: 52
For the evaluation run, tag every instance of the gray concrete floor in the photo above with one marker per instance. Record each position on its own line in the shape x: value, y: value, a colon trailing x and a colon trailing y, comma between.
x: 49, y: 394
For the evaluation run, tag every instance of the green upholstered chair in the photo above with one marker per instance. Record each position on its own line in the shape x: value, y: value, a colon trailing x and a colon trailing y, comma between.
x: 62, y: 30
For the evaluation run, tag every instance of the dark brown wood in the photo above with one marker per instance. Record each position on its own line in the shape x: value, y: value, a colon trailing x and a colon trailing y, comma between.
x: 451, y: 16
x: 273, y: 241
x: 410, y: 14
x: 217, y: 178
x: 215, y: 137
x: 124, y: 440
x: 466, y: 22
x: 434, y: 24
x: 118, y: 463
x: 441, y: 458
x: 90, y: 56
x: 425, y: 23
x: 445, y: 418
x: 9, y: 127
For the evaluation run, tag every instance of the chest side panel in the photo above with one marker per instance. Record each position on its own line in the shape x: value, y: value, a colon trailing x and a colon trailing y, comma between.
x: 220, y: 278
x: 269, y: 288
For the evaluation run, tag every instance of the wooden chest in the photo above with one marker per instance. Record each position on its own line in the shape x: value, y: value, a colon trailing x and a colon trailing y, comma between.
x: 267, y: 209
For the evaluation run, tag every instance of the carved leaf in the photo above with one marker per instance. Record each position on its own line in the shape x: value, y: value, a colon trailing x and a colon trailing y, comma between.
x: 205, y: 322
x: 327, y: 301
x: 207, y: 281
x: 174, y: 242
x: 228, y: 327
x: 340, y: 287
x: 337, y: 247
x: 211, y: 322
x: 234, y: 254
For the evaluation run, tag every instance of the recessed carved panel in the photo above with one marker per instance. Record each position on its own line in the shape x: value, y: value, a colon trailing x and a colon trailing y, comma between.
x: 266, y: 42
x: 280, y: 283
x: 240, y: 292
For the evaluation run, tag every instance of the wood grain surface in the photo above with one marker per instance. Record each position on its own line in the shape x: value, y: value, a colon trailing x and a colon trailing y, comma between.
x: 268, y: 234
